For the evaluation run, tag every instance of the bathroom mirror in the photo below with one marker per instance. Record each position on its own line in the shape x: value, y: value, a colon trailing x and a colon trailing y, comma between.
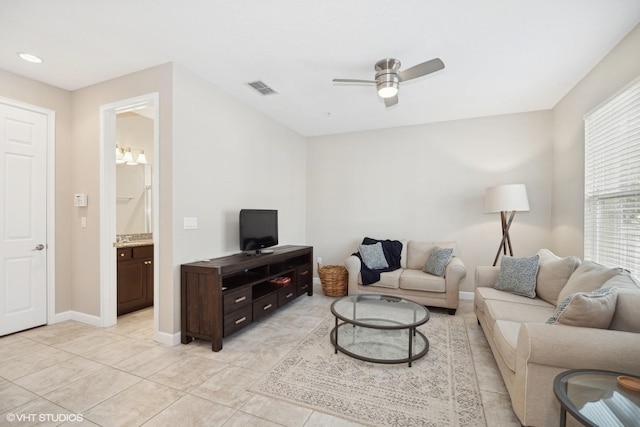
x: 134, y: 139
x: 133, y: 199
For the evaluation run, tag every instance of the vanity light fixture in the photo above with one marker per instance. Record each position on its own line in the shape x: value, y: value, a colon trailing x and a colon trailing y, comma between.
x: 125, y: 156
x: 29, y: 57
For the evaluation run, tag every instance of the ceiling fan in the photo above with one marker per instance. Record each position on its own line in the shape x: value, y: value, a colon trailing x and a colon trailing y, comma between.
x: 389, y: 76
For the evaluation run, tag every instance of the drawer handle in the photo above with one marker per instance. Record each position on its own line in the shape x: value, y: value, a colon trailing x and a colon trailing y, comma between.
x: 289, y: 295
x: 305, y: 272
x: 224, y: 288
x: 122, y: 254
x: 240, y: 320
x: 240, y: 299
x: 267, y: 307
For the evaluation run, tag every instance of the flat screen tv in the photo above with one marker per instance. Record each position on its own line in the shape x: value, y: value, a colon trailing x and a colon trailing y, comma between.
x: 258, y: 229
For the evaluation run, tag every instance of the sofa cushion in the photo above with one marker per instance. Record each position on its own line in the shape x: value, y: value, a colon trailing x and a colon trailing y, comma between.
x: 388, y: 279
x: 505, y: 335
x: 421, y: 281
x: 518, y: 275
x: 522, y: 313
x: 484, y: 293
x: 438, y: 260
x: 587, y: 309
x: 623, y: 280
x: 418, y: 252
x: 553, y: 274
x: 373, y: 256
x: 588, y: 277
x: 627, y: 314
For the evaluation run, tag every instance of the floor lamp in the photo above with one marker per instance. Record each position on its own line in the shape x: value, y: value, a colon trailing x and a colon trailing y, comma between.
x: 504, y: 199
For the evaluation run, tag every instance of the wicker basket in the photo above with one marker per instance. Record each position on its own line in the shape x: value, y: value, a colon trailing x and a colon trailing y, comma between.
x: 334, y: 280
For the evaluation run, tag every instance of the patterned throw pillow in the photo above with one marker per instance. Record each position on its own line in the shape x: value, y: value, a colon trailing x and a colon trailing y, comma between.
x: 518, y: 276
x: 438, y: 261
x: 587, y: 309
x: 373, y: 256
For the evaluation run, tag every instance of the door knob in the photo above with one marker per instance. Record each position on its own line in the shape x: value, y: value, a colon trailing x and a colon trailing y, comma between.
x: 38, y: 247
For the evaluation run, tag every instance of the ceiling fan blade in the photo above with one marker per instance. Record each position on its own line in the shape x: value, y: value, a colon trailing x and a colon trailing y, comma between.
x: 423, y: 69
x: 353, y: 81
x: 390, y: 102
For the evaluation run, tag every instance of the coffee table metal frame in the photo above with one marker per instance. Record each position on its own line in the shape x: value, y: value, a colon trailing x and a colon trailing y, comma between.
x: 566, y: 404
x: 370, y: 323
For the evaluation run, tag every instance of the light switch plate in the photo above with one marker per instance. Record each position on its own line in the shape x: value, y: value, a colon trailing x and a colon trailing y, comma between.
x: 190, y: 223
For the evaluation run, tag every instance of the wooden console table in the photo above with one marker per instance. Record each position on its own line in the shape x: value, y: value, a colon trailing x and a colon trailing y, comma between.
x: 223, y: 295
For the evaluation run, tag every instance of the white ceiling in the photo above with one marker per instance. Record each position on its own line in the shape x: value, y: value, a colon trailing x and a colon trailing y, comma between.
x: 501, y: 56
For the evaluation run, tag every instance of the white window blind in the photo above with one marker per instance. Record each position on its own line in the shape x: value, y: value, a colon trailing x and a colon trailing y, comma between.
x: 612, y: 182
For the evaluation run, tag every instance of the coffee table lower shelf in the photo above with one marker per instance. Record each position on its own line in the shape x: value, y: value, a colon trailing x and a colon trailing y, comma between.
x: 379, y: 345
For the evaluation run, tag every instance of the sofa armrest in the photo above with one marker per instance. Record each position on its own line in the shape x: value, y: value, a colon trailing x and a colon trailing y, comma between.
x: 486, y: 276
x: 572, y: 347
x: 544, y: 351
x: 454, y: 273
x: 353, y: 268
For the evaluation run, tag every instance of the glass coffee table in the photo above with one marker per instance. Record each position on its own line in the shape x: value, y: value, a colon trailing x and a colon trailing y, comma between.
x: 379, y: 328
x: 595, y: 398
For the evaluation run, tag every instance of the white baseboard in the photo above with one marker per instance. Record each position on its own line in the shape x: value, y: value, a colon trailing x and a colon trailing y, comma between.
x: 167, y: 338
x: 78, y: 317
x: 466, y: 295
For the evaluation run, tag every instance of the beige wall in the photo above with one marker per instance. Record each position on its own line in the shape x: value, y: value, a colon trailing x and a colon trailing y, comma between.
x: 618, y: 69
x: 229, y: 156
x: 86, y: 179
x: 35, y: 93
x: 427, y: 183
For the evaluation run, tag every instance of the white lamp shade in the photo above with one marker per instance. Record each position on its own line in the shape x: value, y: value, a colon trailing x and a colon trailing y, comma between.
x: 512, y: 197
x: 142, y: 159
x: 128, y: 158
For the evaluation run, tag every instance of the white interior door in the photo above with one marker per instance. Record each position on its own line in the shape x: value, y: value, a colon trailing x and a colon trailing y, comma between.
x: 23, y: 219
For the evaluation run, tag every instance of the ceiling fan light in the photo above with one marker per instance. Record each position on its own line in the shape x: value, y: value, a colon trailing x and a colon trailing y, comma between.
x: 29, y: 57
x: 388, y: 90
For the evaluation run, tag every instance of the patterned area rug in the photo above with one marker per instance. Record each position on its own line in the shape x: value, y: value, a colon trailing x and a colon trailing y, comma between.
x: 440, y: 389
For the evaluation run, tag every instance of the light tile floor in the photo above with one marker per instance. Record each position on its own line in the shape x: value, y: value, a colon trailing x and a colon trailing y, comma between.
x: 118, y: 376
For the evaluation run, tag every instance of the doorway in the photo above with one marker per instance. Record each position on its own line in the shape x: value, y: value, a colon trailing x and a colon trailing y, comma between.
x: 27, y: 220
x: 149, y: 106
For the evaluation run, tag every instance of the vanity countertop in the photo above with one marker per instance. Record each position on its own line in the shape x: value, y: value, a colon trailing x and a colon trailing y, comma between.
x: 133, y: 243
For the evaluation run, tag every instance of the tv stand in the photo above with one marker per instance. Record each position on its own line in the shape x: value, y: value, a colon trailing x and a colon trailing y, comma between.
x: 223, y: 295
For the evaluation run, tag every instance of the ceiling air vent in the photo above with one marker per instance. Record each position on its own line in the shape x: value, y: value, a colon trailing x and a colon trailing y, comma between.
x: 262, y: 87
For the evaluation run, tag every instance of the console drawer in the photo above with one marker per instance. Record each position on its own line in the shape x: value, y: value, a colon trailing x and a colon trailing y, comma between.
x: 304, y: 279
x: 236, y: 299
x: 264, y: 306
x: 237, y: 320
x: 286, y: 294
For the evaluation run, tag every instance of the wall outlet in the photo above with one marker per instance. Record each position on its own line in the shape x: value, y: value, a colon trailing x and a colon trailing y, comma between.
x: 190, y: 223
x: 83, y: 222
x: 320, y: 260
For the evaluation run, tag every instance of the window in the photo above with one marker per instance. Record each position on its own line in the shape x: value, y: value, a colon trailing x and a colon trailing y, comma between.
x: 612, y: 182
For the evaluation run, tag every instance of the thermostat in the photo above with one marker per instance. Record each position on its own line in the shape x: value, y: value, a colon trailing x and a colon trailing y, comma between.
x: 80, y: 200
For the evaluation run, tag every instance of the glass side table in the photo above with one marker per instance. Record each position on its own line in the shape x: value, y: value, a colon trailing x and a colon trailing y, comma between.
x: 595, y: 398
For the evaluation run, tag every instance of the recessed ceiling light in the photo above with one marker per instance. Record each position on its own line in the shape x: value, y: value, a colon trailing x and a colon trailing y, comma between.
x: 30, y: 57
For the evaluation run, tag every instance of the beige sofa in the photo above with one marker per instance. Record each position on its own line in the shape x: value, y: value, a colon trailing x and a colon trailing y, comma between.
x: 410, y: 281
x: 530, y: 353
